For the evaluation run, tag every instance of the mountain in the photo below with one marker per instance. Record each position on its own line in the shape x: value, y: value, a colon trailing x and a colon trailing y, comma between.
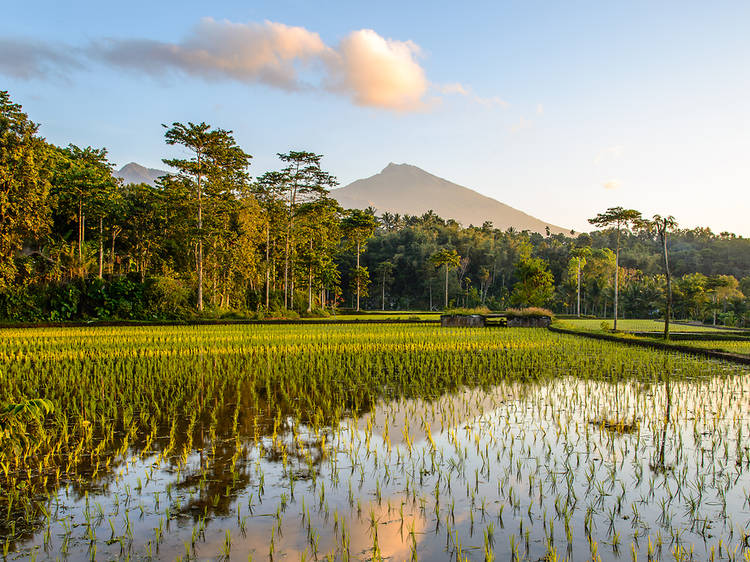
x: 135, y: 173
x: 406, y: 189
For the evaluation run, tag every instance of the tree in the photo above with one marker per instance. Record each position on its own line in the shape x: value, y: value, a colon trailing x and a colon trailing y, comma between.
x: 535, y: 284
x: 301, y: 181
x: 661, y: 226
x: 24, y: 184
x: 358, y: 227
x: 448, y: 259
x: 384, y: 271
x: 216, y: 159
x: 579, y: 255
x: 621, y: 219
x: 320, y: 225
x: 84, y: 187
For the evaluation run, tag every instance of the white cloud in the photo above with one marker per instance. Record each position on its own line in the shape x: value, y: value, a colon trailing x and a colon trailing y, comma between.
x: 611, y: 184
x: 455, y: 88
x: 539, y: 109
x: 371, y: 70
x: 378, y: 72
x: 462, y: 90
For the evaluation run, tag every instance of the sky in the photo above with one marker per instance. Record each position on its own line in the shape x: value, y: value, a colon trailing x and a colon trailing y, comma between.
x: 560, y: 109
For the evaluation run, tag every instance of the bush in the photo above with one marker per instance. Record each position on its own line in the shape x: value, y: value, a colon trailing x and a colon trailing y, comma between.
x: 530, y: 312
x: 63, y: 301
x: 467, y: 311
x: 315, y: 313
x: 166, y: 297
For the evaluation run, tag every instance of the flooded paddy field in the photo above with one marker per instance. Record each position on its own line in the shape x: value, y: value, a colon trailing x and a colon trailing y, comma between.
x: 368, y: 442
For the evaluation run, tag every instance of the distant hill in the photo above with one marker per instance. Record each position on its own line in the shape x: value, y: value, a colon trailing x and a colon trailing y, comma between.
x: 135, y: 173
x: 406, y: 189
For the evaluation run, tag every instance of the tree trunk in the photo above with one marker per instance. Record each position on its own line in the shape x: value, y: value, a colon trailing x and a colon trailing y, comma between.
x: 214, y: 276
x: 383, y: 300
x: 309, y: 280
x: 268, y: 265
x: 199, y: 261
x: 80, y: 232
x: 578, y: 308
x: 617, y: 274
x: 446, y: 286
x: 358, y: 276
x: 668, y: 311
x: 112, y: 255
x: 286, y: 270
x: 101, y: 247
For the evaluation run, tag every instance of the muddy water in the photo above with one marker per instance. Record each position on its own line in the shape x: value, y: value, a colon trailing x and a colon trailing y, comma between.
x: 521, y: 470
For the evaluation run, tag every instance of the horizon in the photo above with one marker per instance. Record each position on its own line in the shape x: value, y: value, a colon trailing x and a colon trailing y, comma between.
x: 559, y: 112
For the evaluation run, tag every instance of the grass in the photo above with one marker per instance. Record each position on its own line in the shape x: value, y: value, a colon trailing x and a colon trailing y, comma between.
x: 632, y: 325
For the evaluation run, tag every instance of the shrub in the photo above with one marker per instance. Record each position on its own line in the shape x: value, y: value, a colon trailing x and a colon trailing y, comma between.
x: 166, y: 297
x: 530, y: 312
x: 467, y: 311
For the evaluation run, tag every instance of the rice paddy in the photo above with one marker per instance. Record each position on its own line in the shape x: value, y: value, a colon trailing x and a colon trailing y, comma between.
x: 634, y: 325
x: 367, y: 443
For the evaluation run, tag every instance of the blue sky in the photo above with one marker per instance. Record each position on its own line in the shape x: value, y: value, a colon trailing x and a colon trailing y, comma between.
x: 560, y: 109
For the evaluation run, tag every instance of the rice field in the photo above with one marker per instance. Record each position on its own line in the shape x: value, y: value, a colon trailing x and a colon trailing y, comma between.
x: 633, y: 325
x: 369, y: 443
x: 741, y: 347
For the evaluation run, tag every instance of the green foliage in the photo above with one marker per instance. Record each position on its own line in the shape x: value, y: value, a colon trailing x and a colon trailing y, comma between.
x: 21, y: 424
x: 535, y: 285
x: 25, y: 163
x: 282, y: 242
x: 167, y: 297
x: 529, y: 312
x: 473, y: 310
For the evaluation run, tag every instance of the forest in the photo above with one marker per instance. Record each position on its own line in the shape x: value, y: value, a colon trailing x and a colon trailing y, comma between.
x: 212, y: 241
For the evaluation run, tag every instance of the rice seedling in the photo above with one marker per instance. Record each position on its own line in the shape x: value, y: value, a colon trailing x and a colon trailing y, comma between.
x: 379, y: 442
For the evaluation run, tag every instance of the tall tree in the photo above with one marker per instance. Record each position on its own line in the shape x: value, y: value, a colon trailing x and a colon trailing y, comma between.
x: 24, y: 184
x: 83, y: 187
x: 384, y: 271
x: 215, y: 159
x: 579, y: 255
x: 359, y: 226
x: 619, y: 219
x: 448, y: 259
x: 535, y: 284
x: 661, y: 226
x: 301, y: 181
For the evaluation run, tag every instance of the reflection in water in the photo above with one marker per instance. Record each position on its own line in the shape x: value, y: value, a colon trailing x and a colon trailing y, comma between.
x: 517, y: 471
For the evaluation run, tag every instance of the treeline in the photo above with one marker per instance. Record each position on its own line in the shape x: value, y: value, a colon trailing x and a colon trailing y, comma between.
x: 211, y: 240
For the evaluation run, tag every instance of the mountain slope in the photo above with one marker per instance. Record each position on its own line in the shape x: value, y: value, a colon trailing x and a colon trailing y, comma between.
x: 406, y: 189
x: 135, y: 173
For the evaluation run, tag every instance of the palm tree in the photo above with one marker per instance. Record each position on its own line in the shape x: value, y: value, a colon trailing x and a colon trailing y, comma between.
x: 448, y: 258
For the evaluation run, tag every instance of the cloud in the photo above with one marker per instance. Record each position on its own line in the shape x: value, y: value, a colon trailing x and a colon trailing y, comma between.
x: 268, y: 53
x: 371, y: 70
x: 611, y: 184
x: 378, y: 72
x: 455, y: 88
x: 459, y: 89
x: 539, y: 109
x: 26, y: 59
